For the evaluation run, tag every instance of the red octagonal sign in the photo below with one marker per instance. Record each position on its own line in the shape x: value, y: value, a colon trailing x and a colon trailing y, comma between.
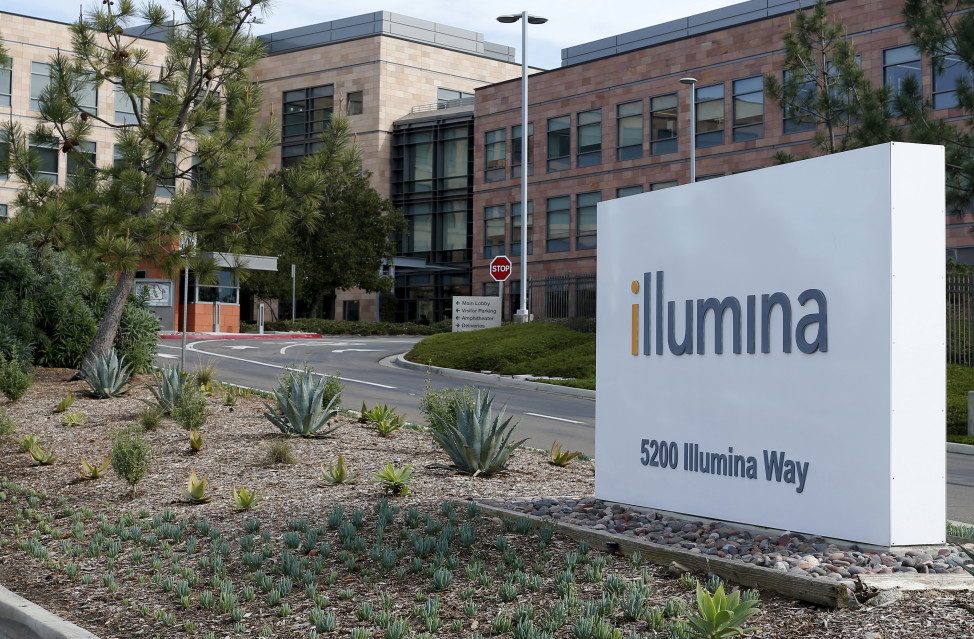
x: 500, y: 268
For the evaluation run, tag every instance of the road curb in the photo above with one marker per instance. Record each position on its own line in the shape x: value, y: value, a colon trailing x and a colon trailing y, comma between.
x: 490, y: 378
x: 23, y: 619
x: 201, y: 336
x: 961, y: 449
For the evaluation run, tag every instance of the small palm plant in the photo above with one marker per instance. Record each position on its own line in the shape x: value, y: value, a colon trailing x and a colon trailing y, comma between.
x: 479, y: 443
x: 300, y: 408
x: 721, y: 615
x: 108, y: 375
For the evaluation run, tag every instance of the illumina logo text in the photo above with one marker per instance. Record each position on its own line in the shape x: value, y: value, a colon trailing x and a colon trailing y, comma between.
x: 748, y: 320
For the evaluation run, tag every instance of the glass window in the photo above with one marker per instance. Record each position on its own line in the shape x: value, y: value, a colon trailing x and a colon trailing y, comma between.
x: 516, y: 228
x: 454, y: 158
x: 40, y: 79
x: 354, y: 99
x: 47, y: 153
x: 589, y: 136
x: 792, y: 121
x: 4, y: 213
x: 558, y: 224
x: 81, y: 159
x: 748, y: 109
x: 419, y: 162
x: 493, y: 230
x: 947, y: 73
x: 710, y: 115
x: 124, y: 110
x: 585, y: 226
x: 305, y: 113
x: 87, y: 97
x: 626, y: 191
x: 899, y: 64
x: 559, y: 143
x: 516, y: 150
x: 495, y: 152
x: 709, y: 176
x: 629, y: 130
x: 662, y: 124
x: 454, y: 228
x: 4, y: 152
x: 659, y: 186
x: 419, y: 228
x: 450, y: 97
x: 166, y: 185
x: 6, y: 83
x: 225, y: 290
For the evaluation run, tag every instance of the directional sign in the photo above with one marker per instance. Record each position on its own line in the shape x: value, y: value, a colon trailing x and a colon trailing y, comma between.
x: 500, y: 268
x: 471, y: 313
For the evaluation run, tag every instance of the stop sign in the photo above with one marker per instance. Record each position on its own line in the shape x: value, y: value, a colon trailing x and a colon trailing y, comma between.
x: 500, y: 268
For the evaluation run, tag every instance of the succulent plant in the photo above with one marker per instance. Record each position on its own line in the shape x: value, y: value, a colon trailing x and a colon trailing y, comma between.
x: 720, y: 615
x: 395, y: 480
x: 107, y: 375
x: 300, y: 409
x: 40, y: 456
x: 169, y: 383
x: 479, y: 443
x: 559, y: 458
x: 195, y: 440
x: 337, y: 473
x: 88, y: 470
x: 196, y: 489
x: 244, y: 499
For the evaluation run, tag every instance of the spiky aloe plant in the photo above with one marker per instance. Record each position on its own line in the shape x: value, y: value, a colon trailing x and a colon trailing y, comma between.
x: 169, y: 383
x: 300, y: 409
x: 479, y: 443
x: 108, y: 375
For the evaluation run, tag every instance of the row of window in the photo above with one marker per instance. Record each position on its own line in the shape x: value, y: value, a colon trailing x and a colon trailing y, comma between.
x: 746, y: 122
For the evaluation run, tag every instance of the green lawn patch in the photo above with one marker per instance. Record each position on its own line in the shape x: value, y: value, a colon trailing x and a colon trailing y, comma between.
x: 517, y: 349
x: 960, y: 379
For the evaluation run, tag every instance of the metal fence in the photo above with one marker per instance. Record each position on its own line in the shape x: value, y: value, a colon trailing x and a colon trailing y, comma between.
x: 562, y: 297
x: 960, y: 319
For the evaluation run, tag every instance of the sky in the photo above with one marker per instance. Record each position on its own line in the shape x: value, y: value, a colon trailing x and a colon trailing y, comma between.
x: 570, y: 22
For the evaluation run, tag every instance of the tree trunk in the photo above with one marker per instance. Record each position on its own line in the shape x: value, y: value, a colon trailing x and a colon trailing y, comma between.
x: 108, y: 326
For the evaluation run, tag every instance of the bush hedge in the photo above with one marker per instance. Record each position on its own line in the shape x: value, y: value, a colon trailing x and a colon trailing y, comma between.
x: 341, y: 327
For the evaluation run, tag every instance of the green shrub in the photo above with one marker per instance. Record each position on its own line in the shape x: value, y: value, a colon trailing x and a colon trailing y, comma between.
x: 15, y: 378
x: 131, y: 455
x: 6, y: 424
x: 440, y: 405
x: 478, y: 444
x: 333, y: 391
x: 138, y: 333
x: 960, y: 380
x: 279, y: 451
x: 343, y: 327
x: 189, y: 408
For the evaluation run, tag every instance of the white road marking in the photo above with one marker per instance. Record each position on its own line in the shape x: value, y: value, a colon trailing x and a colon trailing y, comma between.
x: 240, y: 348
x: 192, y: 347
x: 358, y: 350
x: 560, y: 419
x: 306, y: 342
x: 167, y: 355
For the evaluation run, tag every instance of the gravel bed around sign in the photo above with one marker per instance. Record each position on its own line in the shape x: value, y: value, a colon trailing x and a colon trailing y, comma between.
x: 792, y: 553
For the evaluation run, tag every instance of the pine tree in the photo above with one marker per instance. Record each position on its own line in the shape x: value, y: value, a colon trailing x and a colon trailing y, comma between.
x: 193, y: 122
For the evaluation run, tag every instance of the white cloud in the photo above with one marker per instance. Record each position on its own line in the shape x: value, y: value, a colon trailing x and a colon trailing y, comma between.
x: 570, y: 22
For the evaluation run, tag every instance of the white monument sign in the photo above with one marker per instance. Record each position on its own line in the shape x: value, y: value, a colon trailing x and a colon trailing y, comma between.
x: 771, y: 347
x: 472, y: 313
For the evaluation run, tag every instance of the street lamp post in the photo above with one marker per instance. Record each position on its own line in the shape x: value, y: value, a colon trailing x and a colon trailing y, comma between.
x: 522, y: 312
x: 693, y: 127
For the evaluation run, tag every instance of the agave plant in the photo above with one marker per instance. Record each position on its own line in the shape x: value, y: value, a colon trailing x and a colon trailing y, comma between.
x: 108, y: 375
x: 395, y: 480
x: 87, y: 470
x: 721, y: 615
x: 40, y: 456
x: 244, y: 499
x: 195, y: 440
x: 196, y: 489
x: 337, y: 473
x: 169, y: 383
x: 479, y: 443
x: 300, y: 409
x: 560, y: 458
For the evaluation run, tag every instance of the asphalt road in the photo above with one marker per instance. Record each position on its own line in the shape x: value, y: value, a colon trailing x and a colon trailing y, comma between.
x: 543, y: 417
x: 258, y: 363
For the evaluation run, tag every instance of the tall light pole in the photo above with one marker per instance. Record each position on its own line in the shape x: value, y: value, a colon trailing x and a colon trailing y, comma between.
x: 522, y: 312
x: 693, y: 127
